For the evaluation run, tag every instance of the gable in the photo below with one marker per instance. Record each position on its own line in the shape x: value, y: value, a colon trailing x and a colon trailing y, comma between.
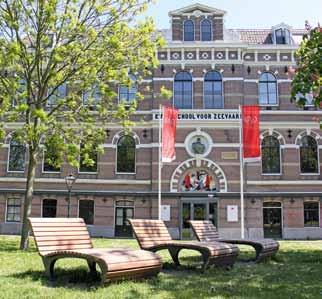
x: 197, y: 9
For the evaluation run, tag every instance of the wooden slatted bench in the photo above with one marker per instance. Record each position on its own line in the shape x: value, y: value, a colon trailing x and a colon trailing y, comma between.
x: 58, y: 238
x: 153, y: 235
x: 206, y: 231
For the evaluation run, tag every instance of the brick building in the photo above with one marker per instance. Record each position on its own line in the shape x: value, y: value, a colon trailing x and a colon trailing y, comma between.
x: 211, y: 70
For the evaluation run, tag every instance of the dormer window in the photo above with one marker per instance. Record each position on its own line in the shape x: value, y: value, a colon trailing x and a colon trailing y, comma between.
x: 282, y: 36
x: 205, y: 30
x: 188, y: 31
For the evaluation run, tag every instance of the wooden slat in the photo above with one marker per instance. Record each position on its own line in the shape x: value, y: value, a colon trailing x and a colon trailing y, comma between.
x: 57, y: 224
x: 58, y: 229
x: 62, y: 238
x: 62, y: 233
x: 64, y: 247
x: 61, y: 243
x: 53, y: 220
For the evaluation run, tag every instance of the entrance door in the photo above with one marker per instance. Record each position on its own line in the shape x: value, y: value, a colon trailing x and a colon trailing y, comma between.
x: 196, y: 210
x: 122, y: 224
x: 272, y: 220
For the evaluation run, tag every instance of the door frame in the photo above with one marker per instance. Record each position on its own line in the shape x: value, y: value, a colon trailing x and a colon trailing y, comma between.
x: 121, y: 206
x: 282, y: 215
x: 197, y: 200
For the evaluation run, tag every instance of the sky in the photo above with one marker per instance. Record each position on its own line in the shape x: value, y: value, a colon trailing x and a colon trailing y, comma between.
x: 244, y: 14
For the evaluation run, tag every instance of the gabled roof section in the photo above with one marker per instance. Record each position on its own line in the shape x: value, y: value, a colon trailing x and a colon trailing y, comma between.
x: 197, y: 6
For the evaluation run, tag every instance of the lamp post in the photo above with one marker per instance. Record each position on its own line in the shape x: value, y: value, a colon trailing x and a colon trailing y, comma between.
x: 69, y: 180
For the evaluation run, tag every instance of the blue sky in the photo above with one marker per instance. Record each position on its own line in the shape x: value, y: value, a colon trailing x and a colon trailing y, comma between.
x: 248, y: 13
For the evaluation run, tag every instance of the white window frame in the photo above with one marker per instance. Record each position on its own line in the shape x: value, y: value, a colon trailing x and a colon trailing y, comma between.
x: 194, y: 31
x: 8, y: 160
x: 211, y: 30
x: 135, y: 160
x: 277, y: 93
x: 281, y: 160
x: 319, y: 207
x: 6, y: 210
x: 299, y: 157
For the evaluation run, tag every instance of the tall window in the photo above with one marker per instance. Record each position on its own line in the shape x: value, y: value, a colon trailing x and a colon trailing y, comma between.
x: 205, y: 30
x: 59, y: 93
x: 267, y: 89
x: 271, y: 155
x: 309, y: 155
x: 92, y: 97
x: 13, y: 209
x: 311, y: 214
x: 127, y: 94
x: 49, y: 161
x: 188, y: 31
x: 21, y: 93
x: 17, y: 153
x: 85, y: 156
x: 282, y: 36
x: 213, y: 97
x: 182, y: 90
x: 126, y: 154
x: 86, y: 211
x: 49, y: 208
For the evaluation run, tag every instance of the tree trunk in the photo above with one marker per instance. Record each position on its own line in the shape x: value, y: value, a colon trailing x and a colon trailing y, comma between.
x: 28, y: 198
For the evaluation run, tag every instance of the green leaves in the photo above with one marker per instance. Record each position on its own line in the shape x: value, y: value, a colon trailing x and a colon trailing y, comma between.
x: 308, y: 76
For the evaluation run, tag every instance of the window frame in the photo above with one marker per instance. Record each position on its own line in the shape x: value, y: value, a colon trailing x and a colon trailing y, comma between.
x: 286, y: 36
x: 318, y: 158
x: 57, y: 96
x: 8, y: 159
x: 42, y: 207
x: 267, y: 93
x: 135, y: 155
x: 222, y: 89
x: 182, y: 93
x: 201, y: 31
x: 193, y: 32
x: 280, y: 157
x: 96, y: 91
x: 94, y: 210
x: 319, y: 213
x: 6, y: 215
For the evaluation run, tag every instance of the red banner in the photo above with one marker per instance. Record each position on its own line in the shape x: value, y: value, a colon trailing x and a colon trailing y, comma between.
x: 169, y: 127
x: 251, y: 142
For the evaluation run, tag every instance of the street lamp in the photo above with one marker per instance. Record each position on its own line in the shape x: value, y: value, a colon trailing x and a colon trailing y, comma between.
x: 69, y: 180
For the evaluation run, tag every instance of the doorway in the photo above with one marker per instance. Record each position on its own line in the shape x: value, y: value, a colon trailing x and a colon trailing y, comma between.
x: 202, y: 209
x: 124, y: 211
x: 272, y: 220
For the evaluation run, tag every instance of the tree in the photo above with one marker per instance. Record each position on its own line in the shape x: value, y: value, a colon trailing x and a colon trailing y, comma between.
x: 90, y: 45
x: 308, y: 75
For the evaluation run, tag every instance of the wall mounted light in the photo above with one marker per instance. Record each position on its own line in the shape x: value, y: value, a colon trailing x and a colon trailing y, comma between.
x: 162, y: 68
x: 248, y: 70
x: 233, y: 68
x: 253, y: 201
x: 292, y: 200
x: 108, y: 131
x: 145, y: 133
x: 285, y: 69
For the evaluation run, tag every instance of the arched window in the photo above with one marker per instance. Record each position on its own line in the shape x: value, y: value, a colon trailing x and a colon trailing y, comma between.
x: 189, y: 31
x: 127, y: 93
x: 271, y: 155
x: 182, y: 90
x: 17, y: 153
x: 205, y: 30
x: 309, y: 155
x: 213, y: 97
x: 267, y: 89
x: 126, y: 155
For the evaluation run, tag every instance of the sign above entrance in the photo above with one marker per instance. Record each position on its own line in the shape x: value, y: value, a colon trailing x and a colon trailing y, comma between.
x: 222, y: 116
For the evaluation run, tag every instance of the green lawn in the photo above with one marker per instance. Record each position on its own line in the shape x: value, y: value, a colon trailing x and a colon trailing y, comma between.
x: 296, y: 272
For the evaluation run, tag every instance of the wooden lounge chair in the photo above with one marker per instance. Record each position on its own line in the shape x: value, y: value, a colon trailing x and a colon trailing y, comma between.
x: 206, y: 231
x: 58, y: 238
x: 153, y: 235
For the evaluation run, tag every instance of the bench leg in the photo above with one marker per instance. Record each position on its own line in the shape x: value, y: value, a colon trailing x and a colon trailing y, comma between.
x: 206, y: 260
x: 92, y: 268
x: 174, y: 252
x: 49, y: 264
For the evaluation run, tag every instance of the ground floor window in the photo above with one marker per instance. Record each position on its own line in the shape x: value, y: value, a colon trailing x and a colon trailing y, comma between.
x: 13, y: 210
x: 311, y: 214
x: 49, y: 208
x: 124, y: 210
x: 86, y: 211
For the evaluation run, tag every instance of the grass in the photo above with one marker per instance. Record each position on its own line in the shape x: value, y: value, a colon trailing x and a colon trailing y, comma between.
x: 296, y: 272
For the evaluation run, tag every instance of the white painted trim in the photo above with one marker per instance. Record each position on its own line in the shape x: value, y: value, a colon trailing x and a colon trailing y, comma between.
x: 315, y: 137
x: 276, y: 86
x: 183, y: 34
x: 135, y: 157
x: 8, y: 161
x: 192, y: 89
x: 286, y: 182
x: 6, y: 209
x: 211, y: 30
x: 80, y: 181
x: 222, y: 89
x: 281, y: 160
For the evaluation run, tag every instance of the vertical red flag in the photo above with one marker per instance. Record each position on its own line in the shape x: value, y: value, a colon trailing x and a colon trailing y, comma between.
x: 251, y: 142
x: 169, y: 127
